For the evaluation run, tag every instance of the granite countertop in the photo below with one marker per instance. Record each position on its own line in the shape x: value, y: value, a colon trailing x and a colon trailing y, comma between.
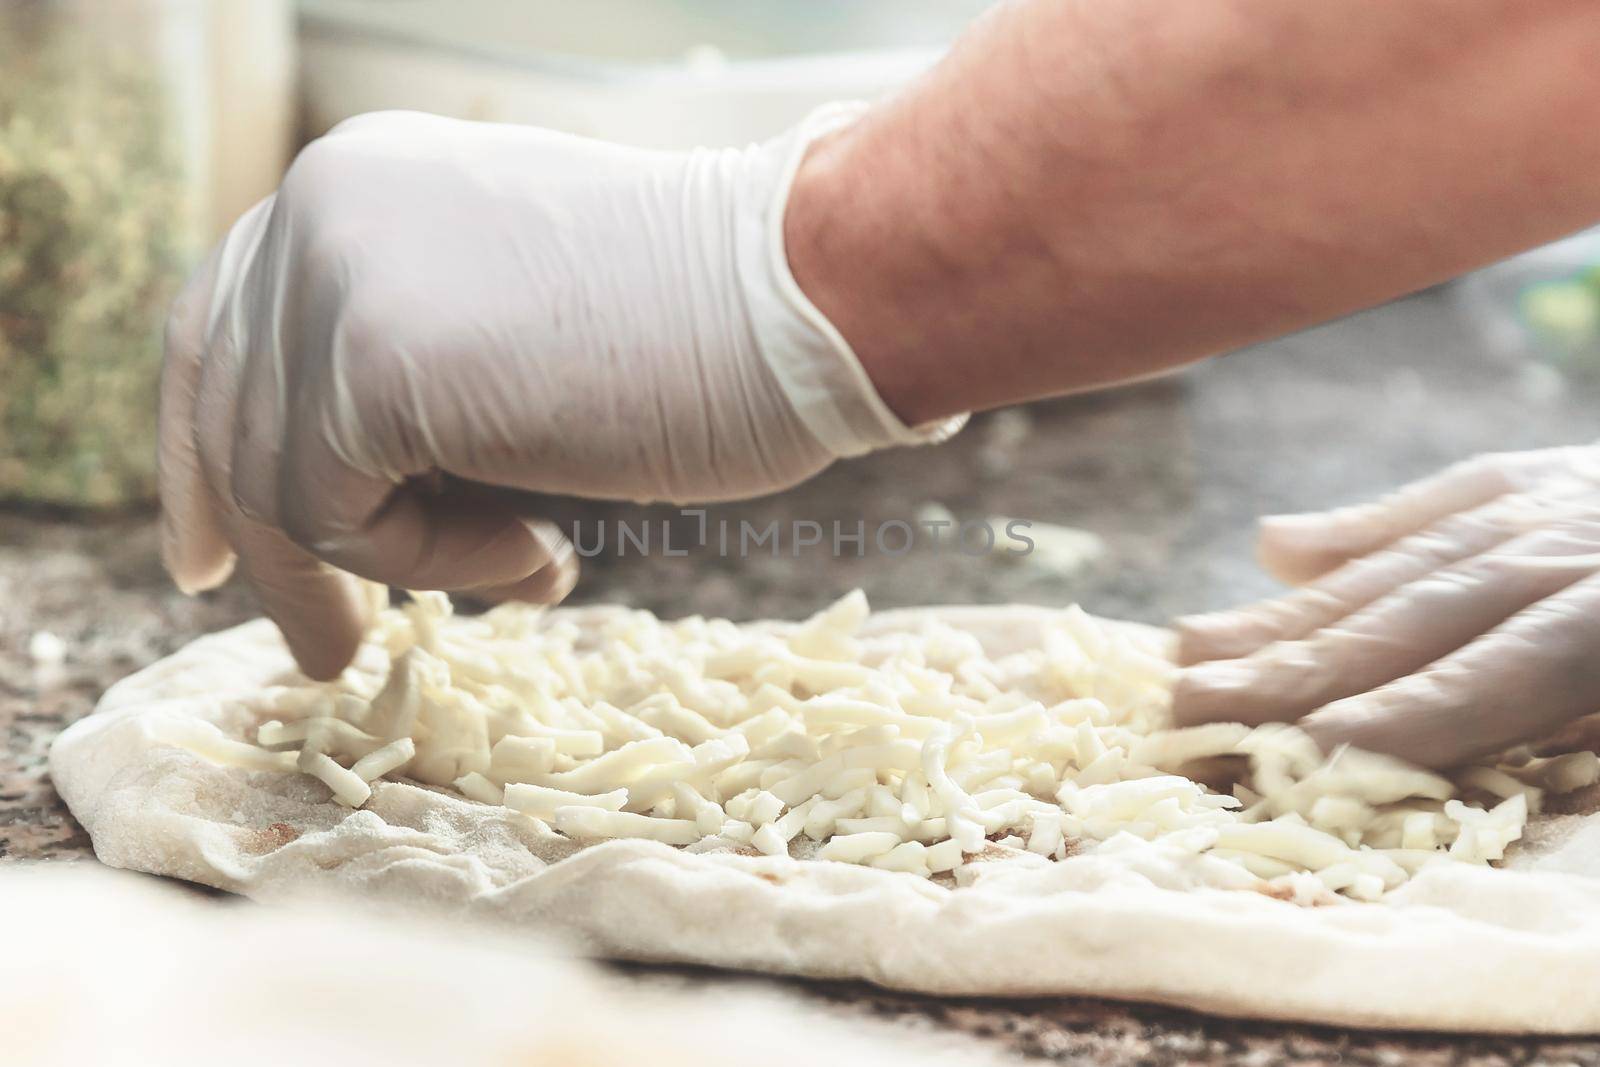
x: 1168, y: 476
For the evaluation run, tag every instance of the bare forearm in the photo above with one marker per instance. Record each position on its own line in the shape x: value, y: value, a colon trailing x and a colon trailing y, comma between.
x: 1085, y: 193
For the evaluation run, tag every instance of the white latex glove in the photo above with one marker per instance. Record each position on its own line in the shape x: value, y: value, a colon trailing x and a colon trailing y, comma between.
x: 430, y: 307
x: 1451, y: 619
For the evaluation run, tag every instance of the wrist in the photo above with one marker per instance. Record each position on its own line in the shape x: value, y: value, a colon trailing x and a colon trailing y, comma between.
x: 840, y: 246
x: 819, y: 371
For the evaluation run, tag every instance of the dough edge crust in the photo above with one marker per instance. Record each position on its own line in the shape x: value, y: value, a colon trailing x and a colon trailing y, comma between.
x: 1456, y: 948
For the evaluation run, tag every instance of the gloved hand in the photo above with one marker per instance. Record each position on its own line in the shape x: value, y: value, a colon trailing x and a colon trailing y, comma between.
x: 428, y: 307
x: 1449, y: 620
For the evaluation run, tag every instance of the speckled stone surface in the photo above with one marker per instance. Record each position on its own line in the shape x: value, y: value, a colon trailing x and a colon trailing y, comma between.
x: 100, y: 591
x: 1169, y: 476
x: 1081, y: 1030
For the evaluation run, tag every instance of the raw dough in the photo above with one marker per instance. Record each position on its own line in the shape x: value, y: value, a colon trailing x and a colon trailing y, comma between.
x: 1456, y: 946
x: 152, y: 975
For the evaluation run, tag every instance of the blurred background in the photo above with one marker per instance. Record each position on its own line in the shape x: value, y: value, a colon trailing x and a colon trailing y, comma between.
x: 133, y: 131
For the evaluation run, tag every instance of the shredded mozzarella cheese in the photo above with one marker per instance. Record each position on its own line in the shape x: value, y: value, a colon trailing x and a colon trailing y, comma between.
x: 911, y: 751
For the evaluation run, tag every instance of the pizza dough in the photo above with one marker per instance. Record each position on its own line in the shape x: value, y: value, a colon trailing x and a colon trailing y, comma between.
x: 1058, y: 854
x: 151, y: 975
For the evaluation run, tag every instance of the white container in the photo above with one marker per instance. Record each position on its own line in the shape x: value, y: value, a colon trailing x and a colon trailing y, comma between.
x: 250, y: 107
x: 131, y: 132
x: 654, y: 73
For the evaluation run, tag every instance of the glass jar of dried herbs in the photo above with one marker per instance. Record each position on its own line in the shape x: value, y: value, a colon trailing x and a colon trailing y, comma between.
x: 98, y: 221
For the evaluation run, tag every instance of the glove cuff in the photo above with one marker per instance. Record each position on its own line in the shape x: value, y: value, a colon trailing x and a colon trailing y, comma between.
x: 812, y: 362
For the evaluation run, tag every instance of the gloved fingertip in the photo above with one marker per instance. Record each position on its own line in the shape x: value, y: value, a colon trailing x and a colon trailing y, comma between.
x: 548, y: 585
x: 563, y: 579
x: 192, y: 571
x: 556, y: 547
x: 1393, y: 721
x: 1205, y: 693
x: 469, y: 551
x: 323, y: 614
x: 324, y: 652
x: 1297, y: 548
x: 319, y: 664
x: 1205, y: 637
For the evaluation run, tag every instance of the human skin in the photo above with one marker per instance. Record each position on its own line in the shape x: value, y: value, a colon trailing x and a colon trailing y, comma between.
x: 1087, y: 193
x: 1083, y: 193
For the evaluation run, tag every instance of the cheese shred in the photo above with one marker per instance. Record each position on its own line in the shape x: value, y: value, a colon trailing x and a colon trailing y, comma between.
x: 908, y: 749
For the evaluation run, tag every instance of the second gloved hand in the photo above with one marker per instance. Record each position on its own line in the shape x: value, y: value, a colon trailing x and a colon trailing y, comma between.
x: 429, y: 302
x: 1449, y: 620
